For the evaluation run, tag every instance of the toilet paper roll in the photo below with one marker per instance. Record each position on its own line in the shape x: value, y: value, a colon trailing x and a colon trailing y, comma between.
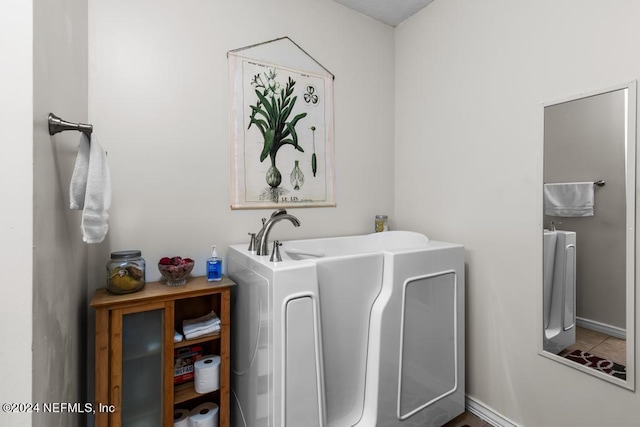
x: 207, y: 374
x: 181, y: 418
x: 205, y: 415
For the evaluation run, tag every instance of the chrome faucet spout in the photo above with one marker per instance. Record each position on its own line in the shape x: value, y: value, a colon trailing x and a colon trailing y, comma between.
x: 263, y: 236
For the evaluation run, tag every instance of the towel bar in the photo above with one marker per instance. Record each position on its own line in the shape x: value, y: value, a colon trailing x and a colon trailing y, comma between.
x: 600, y: 183
x: 56, y: 124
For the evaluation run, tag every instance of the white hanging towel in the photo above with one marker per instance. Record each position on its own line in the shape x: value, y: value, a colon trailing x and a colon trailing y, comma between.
x: 90, y: 189
x: 568, y: 199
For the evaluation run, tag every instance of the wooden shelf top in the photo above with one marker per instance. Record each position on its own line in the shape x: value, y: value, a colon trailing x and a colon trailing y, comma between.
x: 185, y: 392
x: 204, y: 338
x: 159, y: 291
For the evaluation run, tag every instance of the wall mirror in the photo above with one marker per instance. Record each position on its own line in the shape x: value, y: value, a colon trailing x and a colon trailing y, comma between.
x: 588, y: 219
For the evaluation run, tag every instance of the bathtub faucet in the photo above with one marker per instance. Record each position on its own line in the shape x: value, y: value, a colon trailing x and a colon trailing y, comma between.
x: 263, y: 235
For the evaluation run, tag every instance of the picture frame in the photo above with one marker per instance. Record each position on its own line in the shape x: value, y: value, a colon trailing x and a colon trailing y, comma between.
x: 282, y: 128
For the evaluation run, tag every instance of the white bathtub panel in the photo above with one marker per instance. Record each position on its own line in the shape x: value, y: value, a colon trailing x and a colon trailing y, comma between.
x: 428, y: 372
x: 249, y: 308
x: 560, y: 333
x: 262, y: 411
x: 294, y: 280
x: 386, y: 320
x: 348, y: 287
x: 249, y: 361
x: 302, y: 392
x: 550, y: 239
x: 569, y: 317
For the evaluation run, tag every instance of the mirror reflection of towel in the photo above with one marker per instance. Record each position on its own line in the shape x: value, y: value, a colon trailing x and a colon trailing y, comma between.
x: 568, y: 199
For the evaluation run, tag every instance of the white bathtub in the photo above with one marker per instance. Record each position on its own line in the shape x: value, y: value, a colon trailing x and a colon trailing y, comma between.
x: 348, y: 331
x: 559, y: 290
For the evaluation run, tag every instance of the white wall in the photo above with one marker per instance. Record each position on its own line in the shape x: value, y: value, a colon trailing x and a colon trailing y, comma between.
x: 16, y: 181
x: 60, y: 256
x: 471, y: 78
x: 158, y: 98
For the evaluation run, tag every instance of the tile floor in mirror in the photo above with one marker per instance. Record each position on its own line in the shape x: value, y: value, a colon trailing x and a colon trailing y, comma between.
x: 599, y: 344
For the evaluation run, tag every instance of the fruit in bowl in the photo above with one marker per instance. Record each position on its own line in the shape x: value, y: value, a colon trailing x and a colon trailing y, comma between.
x: 176, y: 269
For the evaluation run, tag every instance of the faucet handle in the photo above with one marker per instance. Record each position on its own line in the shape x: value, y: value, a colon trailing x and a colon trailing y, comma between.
x: 252, y: 242
x: 275, y: 254
x: 259, y: 233
x: 553, y: 225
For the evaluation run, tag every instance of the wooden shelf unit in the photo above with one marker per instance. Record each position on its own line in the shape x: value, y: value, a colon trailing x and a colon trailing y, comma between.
x: 197, y: 298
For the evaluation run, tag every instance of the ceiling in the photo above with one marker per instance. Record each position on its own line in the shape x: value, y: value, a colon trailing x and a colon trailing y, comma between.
x: 391, y: 12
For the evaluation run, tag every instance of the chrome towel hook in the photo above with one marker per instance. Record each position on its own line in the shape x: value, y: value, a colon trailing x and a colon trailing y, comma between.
x: 56, y: 124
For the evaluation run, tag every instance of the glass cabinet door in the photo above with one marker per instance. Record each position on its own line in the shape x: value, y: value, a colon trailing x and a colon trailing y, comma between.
x: 142, y: 374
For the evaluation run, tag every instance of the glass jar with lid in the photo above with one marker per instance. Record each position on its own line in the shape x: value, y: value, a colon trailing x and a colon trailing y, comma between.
x: 125, y: 272
x: 382, y: 223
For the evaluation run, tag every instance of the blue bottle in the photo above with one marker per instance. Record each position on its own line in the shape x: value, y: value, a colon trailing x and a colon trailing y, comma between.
x: 214, y: 267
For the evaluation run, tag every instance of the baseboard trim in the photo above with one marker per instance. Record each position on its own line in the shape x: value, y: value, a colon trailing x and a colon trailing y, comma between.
x: 612, y: 331
x: 487, y: 414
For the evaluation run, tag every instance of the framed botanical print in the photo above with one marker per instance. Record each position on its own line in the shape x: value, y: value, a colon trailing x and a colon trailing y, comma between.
x: 281, y: 128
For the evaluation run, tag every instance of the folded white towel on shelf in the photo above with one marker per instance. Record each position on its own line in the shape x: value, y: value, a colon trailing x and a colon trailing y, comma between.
x: 177, y: 336
x: 201, y: 332
x: 202, y: 327
x: 569, y: 199
x: 90, y: 189
x: 194, y: 328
